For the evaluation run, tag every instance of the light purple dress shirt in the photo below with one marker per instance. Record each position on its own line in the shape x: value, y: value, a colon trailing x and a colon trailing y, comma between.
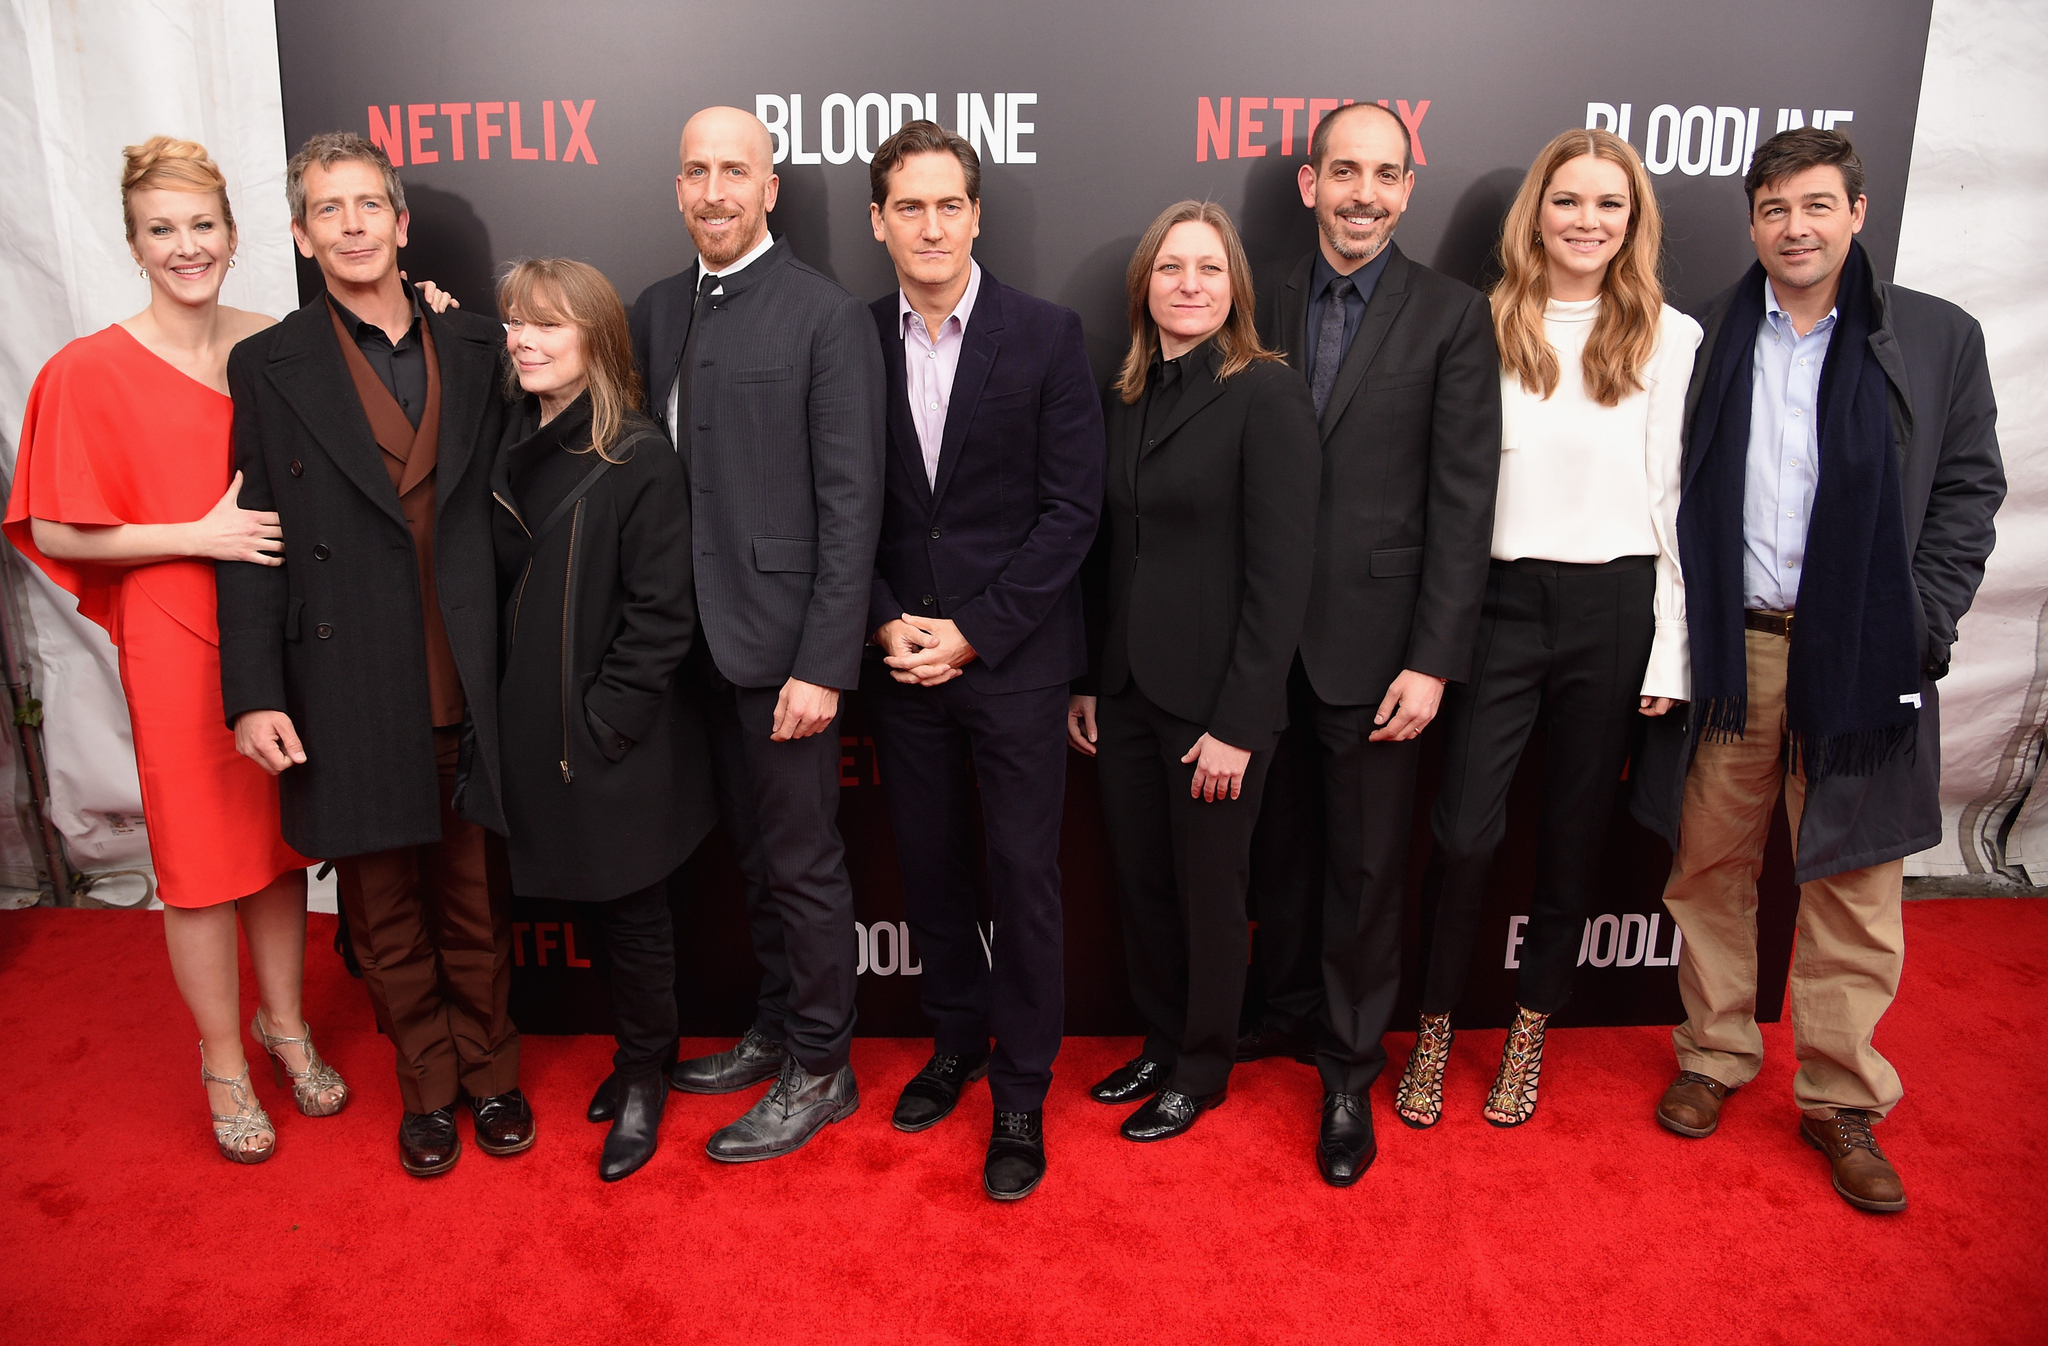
x: 1783, y: 465
x: 929, y: 362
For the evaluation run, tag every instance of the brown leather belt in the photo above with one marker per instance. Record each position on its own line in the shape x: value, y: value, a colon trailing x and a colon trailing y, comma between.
x: 1777, y: 623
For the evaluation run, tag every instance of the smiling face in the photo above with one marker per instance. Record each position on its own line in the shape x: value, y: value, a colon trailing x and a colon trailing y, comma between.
x: 1584, y: 221
x: 1802, y: 224
x: 727, y: 185
x: 350, y: 228
x: 1190, y: 291
x: 183, y: 241
x: 928, y: 222
x: 547, y: 352
x: 1360, y: 189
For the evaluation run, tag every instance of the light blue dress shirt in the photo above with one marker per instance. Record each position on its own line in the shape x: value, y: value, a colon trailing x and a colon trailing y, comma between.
x: 1784, y: 455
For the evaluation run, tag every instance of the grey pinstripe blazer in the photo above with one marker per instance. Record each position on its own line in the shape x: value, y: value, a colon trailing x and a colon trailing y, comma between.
x: 784, y: 453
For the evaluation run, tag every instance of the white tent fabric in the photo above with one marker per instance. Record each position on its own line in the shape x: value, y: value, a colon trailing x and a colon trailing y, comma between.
x: 1975, y: 233
x: 77, y: 82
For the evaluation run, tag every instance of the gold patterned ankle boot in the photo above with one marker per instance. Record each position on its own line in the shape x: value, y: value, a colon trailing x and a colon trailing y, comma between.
x: 1513, y: 1100
x: 1419, y: 1098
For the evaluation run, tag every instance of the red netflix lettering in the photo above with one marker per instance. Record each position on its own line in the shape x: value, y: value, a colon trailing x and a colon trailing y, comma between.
x: 1246, y: 124
x: 519, y: 929
x: 519, y: 150
x: 569, y: 946
x: 420, y: 135
x: 1316, y: 108
x: 542, y: 930
x: 1211, y: 130
x: 1213, y: 124
x: 1287, y: 107
x: 388, y: 136
x: 1413, y: 121
x: 455, y: 112
x: 548, y: 136
x: 579, y: 131
x: 485, y: 128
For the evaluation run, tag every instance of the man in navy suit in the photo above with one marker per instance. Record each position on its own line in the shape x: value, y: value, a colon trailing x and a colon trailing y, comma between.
x: 992, y: 487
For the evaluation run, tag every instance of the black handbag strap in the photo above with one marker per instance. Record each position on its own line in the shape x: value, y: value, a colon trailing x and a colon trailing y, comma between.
x: 568, y: 502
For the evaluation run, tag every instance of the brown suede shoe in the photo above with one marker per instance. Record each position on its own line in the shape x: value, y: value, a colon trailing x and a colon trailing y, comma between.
x: 1692, y: 1105
x: 1863, y: 1176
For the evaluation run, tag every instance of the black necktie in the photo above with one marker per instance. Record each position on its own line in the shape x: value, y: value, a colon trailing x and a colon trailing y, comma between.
x: 682, y: 379
x: 1330, y: 342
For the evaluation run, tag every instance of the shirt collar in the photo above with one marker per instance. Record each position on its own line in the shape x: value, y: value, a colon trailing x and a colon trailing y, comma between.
x: 1776, y: 314
x: 1321, y: 273
x: 962, y: 311
x: 357, y: 325
x: 753, y: 254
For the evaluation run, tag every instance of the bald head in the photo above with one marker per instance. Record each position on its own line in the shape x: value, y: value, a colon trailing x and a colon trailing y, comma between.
x: 727, y: 184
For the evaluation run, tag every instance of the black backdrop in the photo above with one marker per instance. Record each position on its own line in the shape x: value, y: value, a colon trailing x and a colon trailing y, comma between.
x: 526, y: 129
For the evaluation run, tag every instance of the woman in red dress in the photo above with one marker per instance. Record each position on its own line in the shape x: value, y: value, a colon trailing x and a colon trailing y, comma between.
x: 122, y: 496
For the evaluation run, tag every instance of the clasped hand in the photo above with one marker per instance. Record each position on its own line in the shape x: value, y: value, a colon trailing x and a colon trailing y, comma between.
x: 923, y: 651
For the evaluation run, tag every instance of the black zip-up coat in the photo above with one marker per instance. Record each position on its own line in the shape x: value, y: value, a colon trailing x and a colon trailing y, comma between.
x: 607, y: 773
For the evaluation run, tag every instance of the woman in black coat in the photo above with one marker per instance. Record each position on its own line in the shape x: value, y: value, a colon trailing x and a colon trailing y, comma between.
x: 1201, y: 573
x: 605, y: 765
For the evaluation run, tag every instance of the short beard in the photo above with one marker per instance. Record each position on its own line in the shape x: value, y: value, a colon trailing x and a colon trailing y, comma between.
x: 1343, y: 246
x: 727, y: 252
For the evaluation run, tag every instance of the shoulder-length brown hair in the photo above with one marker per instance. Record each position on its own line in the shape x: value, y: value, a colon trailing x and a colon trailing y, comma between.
x: 1237, y: 341
x: 558, y: 290
x: 1625, y: 329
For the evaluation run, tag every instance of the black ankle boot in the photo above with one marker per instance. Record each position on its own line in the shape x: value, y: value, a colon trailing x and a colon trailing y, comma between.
x: 636, y: 1125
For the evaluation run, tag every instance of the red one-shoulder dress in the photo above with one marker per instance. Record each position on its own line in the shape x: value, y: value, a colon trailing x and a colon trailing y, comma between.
x: 114, y: 434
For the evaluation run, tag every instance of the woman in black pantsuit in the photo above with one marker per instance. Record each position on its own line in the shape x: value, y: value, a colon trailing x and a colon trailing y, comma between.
x: 1200, y: 577
x: 607, y: 774
x: 1584, y: 622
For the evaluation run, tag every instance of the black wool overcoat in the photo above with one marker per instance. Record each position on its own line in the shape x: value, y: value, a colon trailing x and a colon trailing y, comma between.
x: 606, y: 766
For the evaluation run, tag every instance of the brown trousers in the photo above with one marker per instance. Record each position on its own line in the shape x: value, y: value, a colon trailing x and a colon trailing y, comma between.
x: 436, y: 952
x: 1851, y: 934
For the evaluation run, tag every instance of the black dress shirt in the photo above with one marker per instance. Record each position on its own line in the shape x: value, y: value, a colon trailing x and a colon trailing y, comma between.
x: 400, y: 367
x: 1320, y: 276
x: 1163, y: 386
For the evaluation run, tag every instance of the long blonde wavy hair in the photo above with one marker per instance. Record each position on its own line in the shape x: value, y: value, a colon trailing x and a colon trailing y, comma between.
x: 1625, y: 330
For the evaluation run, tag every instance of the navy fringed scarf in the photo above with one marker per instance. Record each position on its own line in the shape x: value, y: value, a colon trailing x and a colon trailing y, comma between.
x: 1853, y: 679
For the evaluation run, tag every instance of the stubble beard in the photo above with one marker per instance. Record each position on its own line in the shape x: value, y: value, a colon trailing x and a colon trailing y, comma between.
x: 720, y: 253
x: 1351, y: 248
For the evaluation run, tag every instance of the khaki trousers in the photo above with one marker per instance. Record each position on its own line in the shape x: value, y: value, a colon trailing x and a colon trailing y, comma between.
x: 1851, y: 934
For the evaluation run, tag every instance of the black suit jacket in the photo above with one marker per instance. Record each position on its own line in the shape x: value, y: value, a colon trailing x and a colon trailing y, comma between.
x: 1411, y: 462
x: 784, y: 456
x: 997, y: 542
x: 1203, y: 605
x: 334, y: 637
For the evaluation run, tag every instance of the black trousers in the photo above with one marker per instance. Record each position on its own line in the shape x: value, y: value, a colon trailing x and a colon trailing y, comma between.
x: 640, y: 963
x: 1566, y: 644
x: 779, y: 803
x: 1182, y: 868
x: 1332, y: 888
x: 1287, y: 850
x: 936, y: 746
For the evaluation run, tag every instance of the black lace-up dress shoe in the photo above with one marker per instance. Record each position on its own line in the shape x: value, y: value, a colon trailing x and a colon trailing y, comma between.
x: 1169, y: 1113
x: 797, y: 1107
x: 1134, y: 1079
x: 1016, y: 1155
x: 753, y: 1059
x: 504, y: 1123
x: 1345, y: 1146
x: 934, y: 1092
x: 427, y: 1143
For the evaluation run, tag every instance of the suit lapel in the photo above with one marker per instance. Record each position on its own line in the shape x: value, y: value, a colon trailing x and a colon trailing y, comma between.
x: 1387, y: 298
x: 311, y: 376
x: 902, y: 429
x: 1292, y: 335
x: 979, y: 346
x: 468, y: 367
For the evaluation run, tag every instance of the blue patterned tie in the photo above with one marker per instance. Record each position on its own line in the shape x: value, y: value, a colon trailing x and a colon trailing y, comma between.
x: 1330, y: 342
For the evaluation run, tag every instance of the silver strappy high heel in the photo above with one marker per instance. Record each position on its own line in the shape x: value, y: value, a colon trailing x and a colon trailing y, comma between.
x: 234, y: 1131
x: 309, y: 1086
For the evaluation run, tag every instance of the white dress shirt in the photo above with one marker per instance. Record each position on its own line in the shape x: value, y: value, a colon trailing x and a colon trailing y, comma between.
x: 703, y: 269
x: 929, y: 363
x: 1584, y: 483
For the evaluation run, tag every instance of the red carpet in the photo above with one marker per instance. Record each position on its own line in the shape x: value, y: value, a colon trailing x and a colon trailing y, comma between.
x: 119, y: 1222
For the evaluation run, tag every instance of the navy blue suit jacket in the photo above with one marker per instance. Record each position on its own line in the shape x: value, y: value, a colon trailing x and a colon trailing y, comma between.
x: 996, y: 544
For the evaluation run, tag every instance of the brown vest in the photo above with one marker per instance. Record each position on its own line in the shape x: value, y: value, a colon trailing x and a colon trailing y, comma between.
x: 409, y: 456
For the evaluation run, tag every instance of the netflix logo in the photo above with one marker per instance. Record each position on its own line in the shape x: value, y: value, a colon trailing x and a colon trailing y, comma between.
x: 1265, y: 126
x: 558, y: 937
x: 425, y: 133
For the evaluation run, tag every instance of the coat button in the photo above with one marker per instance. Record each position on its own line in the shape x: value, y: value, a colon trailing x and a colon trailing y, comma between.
x: 320, y: 552
x: 298, y: 468
x: 323, y: 631
x: 935, y: 532
x: 927, y: 600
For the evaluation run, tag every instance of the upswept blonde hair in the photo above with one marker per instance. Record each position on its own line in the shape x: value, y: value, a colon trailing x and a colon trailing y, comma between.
x: 1238, y: 340
x: 576, y: 294
x: 170, y: 164
x: 1625, y: 329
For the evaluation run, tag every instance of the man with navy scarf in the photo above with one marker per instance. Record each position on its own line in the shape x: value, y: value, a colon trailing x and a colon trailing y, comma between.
x: 1841, y: 474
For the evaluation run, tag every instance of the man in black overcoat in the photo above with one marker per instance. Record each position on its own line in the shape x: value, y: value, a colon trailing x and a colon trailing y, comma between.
x: 1405, y: 375
x: 363, y: 672
x: 769, y: 378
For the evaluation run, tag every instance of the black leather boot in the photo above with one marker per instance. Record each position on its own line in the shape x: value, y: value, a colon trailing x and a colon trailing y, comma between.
x: 637, y: 1126
x: 605, y: 1101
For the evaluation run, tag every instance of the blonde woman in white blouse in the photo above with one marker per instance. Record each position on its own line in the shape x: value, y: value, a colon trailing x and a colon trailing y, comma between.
x: 1584, y: 623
